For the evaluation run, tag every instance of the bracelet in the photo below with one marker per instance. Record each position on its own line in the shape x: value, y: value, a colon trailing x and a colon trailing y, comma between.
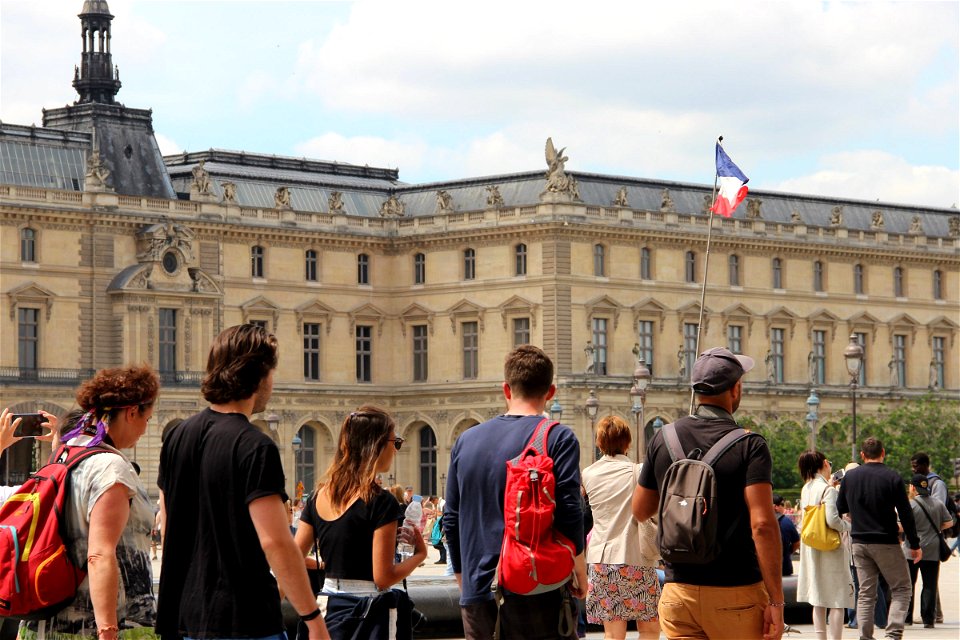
x: 775, y: 604
x: 313, y: 615
x: 107, y: 629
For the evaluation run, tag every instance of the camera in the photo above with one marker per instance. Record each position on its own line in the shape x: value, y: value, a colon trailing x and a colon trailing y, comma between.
x: 837, y: 476
x: 29, y: 426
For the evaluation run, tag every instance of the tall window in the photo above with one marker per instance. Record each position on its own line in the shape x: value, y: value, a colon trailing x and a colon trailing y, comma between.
x: 900, y: 359
x: 420, y: 353
x: 28, y: 245
x: 646, y: 271
x: 521, y: 331
x: 520, y: 254
x: 600, y: 346
x: 471, y: 350
x: 428, y: 462
x: 690, y: 267
x: 310, y: 265
x: 364, y: 353
x: 363, y: 269
x: 735, y: 338
x: 599, y: 261
x: 818, y: 276
x: 938, y: 284
x: 168, y: 341
x: 689, y: 346
x: 858, y: 280
x: 260, y: 323
x: 419, y: 268
x: 28, y: 338
x: 733, y: 267
x: 777, y: 266
x: 898, y: 282
x: 645, y: 342
x: 306, y: 456
x: 776, y: 353
x: 862, y: 341
x: 256, y: 261
x: 311, y: 351
x: 469, y: 264
x: 939, y: 359
x: 819, y: 365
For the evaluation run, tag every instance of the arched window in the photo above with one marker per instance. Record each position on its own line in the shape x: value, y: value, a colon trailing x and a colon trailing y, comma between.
x: 310, y: 264
x: 469, y: 264
x: 306, y: 458
x: 28, y: 245
x: 599, y: 260
x: 520, y: 253
x: 428, y: 461
x: 690, y: 267
x: 256, y: 261
x: 734, y: 269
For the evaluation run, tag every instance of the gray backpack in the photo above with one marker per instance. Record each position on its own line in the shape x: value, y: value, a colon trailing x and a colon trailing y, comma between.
x: 688, y: 501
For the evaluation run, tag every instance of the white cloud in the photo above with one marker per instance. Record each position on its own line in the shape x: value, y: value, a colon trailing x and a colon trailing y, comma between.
x: 363, y: 150
x: 167, y: 145
x: 877, y: 175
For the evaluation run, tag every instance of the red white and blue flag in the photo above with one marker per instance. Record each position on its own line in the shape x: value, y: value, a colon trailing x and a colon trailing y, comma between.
x: 732, y: 182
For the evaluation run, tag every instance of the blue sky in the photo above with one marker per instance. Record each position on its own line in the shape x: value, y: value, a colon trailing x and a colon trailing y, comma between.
x: 856, y: 100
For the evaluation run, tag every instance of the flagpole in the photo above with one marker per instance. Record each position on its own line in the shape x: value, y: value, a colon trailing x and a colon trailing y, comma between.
x: 706, y: 270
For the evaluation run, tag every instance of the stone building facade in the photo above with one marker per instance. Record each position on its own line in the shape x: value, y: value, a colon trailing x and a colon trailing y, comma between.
x: 409, y: 296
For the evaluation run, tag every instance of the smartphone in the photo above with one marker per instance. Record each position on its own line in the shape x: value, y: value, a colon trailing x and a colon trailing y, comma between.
x: 29, y: 426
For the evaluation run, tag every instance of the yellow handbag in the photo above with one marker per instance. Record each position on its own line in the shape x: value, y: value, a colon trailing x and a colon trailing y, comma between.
x: 814, y: 531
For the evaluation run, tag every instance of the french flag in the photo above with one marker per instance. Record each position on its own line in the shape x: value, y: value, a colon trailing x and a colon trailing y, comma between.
x: 733, y: 185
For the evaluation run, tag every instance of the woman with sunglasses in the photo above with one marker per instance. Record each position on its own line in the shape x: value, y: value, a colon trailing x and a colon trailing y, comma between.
x: 353, y: 520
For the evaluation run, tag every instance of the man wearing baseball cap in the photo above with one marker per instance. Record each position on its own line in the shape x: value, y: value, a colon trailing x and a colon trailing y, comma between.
x: 698, y: 599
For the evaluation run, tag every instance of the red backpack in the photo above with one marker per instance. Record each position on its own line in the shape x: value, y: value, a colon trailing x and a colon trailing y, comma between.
x: 37, y: 576
x: 534, y: 557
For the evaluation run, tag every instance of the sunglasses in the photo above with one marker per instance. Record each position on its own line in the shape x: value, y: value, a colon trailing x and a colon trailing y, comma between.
x: 398, y: 442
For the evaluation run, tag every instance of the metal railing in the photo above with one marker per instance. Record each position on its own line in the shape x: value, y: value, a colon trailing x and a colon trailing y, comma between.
x: 73, y: 377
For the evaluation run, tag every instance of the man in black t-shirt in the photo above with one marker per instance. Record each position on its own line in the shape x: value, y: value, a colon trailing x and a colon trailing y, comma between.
x: 740, y: 593
x: 789, y: 536
x: 222, y: 495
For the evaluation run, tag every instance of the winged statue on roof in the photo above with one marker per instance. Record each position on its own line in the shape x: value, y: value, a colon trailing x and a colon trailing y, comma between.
x: 557, y: 179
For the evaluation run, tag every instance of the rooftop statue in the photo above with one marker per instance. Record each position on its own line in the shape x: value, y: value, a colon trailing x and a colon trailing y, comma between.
x: 97, y: 174
x: 229, y: 192
x: 666, y: 202
x: 916, y: 226
x: 877, y: 221
x: 392, y: 206
x: 201, y: 179
x: 335, y: 202
x: 494, y: 199
x: 753, y: 209
x: 444, y: 202
x: 557, y: 179
x: 281, y: 199
x: 621, y: 199
x: 836, y: 216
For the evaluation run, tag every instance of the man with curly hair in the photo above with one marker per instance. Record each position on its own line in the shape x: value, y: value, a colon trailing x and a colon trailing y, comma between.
x: 222, y: 495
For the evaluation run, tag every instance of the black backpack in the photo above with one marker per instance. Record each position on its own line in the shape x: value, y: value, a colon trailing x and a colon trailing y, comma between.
x: 688, y: 501
x: 954, y: 531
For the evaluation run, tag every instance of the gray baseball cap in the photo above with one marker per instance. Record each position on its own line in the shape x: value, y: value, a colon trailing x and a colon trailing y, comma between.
x: 717, y: 370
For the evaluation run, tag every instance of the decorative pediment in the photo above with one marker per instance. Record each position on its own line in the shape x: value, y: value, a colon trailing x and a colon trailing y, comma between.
x: 30, y: 294
x: 866, y: 322
x: 416, y: 314
x: 313, y: 310
x: 259, y: 308
x: 517, y: 306
x: 647, y: 308
x: 903, y: 323
x: 781, y: 316
x: 366, y: 314
x: 738, y: 313
x: 691, y: 313
x: 465, y: 311
x: 941, y: 325
x: 823, y: 318
x: 603, y: 305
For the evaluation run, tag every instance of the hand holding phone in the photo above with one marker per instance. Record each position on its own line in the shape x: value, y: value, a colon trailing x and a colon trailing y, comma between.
x: 40, y: 425
x: 29, y: 426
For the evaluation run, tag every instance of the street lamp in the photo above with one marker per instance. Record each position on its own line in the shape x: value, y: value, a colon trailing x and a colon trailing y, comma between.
x: 638, y: 395
x: 813, y: 406
x: 592, y: 406
x: 853, y: 355
x: 657, y: 424
x: 443, y: 483
x: 273, y: 421
x: 556, y: 411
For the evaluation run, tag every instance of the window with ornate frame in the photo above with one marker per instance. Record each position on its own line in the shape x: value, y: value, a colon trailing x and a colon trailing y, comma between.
x: 28, y: 245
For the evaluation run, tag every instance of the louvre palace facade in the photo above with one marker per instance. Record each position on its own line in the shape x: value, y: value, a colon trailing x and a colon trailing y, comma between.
x: 409, y: 295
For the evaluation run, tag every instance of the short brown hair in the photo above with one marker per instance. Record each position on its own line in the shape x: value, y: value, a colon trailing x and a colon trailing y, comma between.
x: 112, y: 389
x: 240, y: 358
x: 871, y: 448
x: 528, y: 371
x: 613, y: 436
x: 809, y: 463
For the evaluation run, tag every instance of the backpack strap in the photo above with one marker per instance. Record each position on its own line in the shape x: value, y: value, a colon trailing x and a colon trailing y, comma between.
x: 724, y: 444
x: 673, y: 442
x: 538, y: 441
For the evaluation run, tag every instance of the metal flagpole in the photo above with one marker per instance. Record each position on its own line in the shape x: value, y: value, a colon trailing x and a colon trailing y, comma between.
x: 706, y: 265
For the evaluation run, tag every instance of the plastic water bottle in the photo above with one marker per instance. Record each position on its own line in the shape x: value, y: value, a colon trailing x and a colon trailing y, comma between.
x: 411, y: 520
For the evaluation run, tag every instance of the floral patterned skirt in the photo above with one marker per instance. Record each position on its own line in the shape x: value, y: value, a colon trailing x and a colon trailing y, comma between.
x: 622, y: 592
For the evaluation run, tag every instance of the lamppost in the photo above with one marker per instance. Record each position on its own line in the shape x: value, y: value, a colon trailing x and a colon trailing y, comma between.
x: 592, y: 406
x: 853, y: 355
x: 297, y: 445
x: 273, y: 422
x: 443, y: 483
x: 813, y: 406
x: 638, y: 396
x: 556, y: 411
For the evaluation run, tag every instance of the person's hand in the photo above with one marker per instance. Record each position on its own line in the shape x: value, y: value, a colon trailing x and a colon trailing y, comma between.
x: 7, y: 426
x: 916, y: 555
x: 578, y: 585
x: 52, y: 422
x: 773, y: 622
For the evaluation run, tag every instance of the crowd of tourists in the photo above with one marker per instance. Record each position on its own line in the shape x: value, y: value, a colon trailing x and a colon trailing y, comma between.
x: 635, y: 546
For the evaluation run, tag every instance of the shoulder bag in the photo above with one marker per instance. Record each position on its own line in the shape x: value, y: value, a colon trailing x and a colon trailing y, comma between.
x: 814, y: 531
x: 945, y: 552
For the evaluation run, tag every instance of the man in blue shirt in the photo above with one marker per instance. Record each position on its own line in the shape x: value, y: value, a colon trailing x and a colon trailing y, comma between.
x: 473, y: 513
x: 789, y: 537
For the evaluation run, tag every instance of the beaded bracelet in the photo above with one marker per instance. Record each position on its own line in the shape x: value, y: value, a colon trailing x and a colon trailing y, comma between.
x: 776, y: 604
